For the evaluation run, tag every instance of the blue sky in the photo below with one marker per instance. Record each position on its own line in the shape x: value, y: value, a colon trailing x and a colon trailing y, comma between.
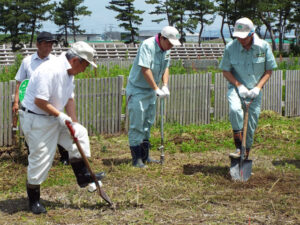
x: 102, y: 19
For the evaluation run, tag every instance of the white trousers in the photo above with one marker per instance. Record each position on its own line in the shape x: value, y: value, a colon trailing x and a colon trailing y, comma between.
x: 42, y: 134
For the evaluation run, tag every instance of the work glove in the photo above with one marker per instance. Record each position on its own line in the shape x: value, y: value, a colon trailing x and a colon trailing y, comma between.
x: 165, y: 89
x: 159, y: 93
x: 243, y: 91
x: 62, y: 118
x: 254, y: 92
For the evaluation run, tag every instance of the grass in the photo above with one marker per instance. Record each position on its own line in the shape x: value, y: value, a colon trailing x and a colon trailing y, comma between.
x: 192, y: 187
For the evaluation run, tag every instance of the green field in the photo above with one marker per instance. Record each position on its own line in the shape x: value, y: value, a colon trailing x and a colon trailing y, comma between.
x: 192, y: 187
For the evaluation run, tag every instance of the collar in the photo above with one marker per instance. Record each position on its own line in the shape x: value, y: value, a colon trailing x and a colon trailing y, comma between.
x: 157, y: 41
x: 65, y: 61
x: 257, y: 42
x: 36, y: 56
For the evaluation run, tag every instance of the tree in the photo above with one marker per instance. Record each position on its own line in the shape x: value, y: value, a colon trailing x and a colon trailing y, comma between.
x: 15, y: 22
x: 295, y: 21
x: 162, y: 8
x: 283, y: 15
x: 67, y: 14
x: 223, y: 9
x: 199, y: 10
x: 37, y: 11
x: 128, y: 14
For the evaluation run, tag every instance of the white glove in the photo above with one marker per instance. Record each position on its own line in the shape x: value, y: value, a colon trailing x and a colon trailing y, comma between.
x: 254, y: 92
x: 160, y: 93
x: 62, y: 118
x: 92, y: 186
x: 243, y: 91
x: 165, y: 89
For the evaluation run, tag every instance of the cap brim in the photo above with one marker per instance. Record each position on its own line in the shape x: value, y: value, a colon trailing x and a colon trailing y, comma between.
x: 174, y: 41
x: 240, y: 34
x: 54, y: 40
x: 47, y: 40
x: 93, y: 64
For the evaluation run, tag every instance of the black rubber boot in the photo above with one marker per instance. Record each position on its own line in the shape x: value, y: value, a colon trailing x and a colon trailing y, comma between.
x: 33, y: 192
x: 238, y: 137
x: 145, y: 153
x: 136, y: 153
x: 82, y: 174
x: 64, y: 155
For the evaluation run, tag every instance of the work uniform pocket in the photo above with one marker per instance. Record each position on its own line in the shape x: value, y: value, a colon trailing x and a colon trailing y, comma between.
x: 155, y: 68
x: 259, y: 65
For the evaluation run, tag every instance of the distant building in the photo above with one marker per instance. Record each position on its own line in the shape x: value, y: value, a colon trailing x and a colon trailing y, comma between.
x: 112, y: 36
x: 80, y: 37
x: 144, y: 34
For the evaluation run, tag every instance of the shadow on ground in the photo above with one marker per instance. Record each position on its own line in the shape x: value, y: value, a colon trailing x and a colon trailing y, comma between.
x: 284, y: 162
x: 190, y: 169
x: 12, y: 206
x: 115, y: 161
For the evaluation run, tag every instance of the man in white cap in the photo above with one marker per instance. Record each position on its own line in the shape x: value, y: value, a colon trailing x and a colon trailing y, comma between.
x: 247, y: 64
x: 45, y: 41
x: 150, y: 66
x: 42, y: 118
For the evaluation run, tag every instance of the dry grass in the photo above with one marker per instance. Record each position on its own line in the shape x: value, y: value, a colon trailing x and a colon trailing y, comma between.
x: 190, y: 188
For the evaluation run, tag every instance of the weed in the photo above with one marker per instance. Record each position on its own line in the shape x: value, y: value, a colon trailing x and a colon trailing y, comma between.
x: 193, y: 186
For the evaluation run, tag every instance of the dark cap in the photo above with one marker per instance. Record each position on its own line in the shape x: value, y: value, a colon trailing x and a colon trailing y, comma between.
x: 46, y: 36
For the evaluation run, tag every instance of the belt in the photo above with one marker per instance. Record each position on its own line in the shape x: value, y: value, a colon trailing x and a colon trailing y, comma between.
x: 29, y: 111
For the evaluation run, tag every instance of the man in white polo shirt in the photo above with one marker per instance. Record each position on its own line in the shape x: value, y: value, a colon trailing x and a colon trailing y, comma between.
x: 42, y: 118
x: 44, y: 45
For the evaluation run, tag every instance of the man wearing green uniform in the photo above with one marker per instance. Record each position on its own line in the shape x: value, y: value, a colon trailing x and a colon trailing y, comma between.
x: 247, y: 64
x: 150, y: 66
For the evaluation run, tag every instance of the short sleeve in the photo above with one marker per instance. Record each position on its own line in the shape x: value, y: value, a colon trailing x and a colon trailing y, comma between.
x: 144, y: 57
x: 270, y: 59
x: 21, y: 74
x: 225, y: 62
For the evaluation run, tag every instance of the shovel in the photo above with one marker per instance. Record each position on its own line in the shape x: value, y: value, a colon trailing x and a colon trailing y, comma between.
x: 240, y: 169
x: 99, y: 189
x: 161, y: 147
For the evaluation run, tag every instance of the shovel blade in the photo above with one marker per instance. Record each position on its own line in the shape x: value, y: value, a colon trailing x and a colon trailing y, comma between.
x: 240, y: 172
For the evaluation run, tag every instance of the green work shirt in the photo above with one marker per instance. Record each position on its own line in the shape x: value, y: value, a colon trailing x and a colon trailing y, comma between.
x: 248, y: 66
x: 149, y: 56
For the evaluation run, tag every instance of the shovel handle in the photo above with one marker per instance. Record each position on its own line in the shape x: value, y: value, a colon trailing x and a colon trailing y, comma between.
x: 245, y: 124
x: 162, y: 154
x: 86, y: 162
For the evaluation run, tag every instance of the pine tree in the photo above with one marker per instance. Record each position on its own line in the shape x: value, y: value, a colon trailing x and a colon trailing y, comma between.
x: 162, y: 8
x: 128, y: 15
x: 67, y: 14
x: 38, y: 11
x: 200, y: 9
x: 15, y: 22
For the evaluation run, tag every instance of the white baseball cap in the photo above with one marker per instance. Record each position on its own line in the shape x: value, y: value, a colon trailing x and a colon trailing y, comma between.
x: 172, y: 34
x: 243, y: 27
x: 85, y: 51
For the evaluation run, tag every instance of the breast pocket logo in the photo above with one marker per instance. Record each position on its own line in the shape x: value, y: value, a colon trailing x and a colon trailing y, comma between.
x: 262, y: 54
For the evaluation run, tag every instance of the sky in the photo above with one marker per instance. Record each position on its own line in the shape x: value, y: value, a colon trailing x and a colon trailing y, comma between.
x: 103, y: 19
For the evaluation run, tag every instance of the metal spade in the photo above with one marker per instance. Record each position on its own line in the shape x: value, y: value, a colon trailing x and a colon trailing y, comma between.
x: 240, y: 168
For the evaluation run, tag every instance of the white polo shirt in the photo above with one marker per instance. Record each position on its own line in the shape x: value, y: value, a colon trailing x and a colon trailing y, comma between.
x: 50, y: 82
x: 29, y: 65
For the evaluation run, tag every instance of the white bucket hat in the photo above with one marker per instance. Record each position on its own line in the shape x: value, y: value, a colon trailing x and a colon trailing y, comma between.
x: 172, y: 34
x: 243, y: 27
x: 85, y: 51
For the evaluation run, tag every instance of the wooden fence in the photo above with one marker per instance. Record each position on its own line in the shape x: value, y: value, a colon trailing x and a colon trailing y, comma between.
x: 194, y: 99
